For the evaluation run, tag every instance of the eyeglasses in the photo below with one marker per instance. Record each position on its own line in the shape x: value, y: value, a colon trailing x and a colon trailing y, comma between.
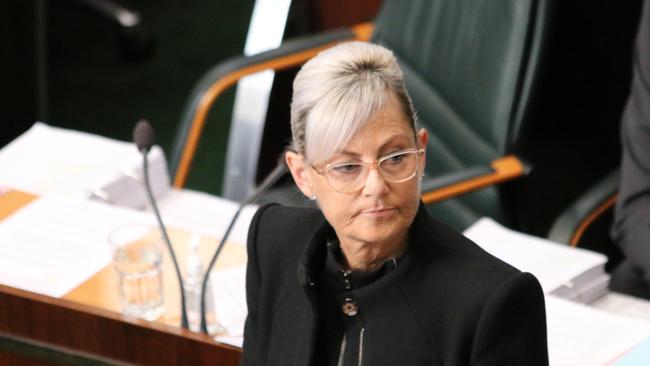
x: 396, y: 167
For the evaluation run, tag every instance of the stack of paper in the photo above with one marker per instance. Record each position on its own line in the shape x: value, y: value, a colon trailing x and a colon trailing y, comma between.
x: 53, y: 160
x: 571, y: 273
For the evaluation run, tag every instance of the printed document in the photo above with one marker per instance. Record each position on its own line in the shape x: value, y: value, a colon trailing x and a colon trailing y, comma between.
x: 55, y: 243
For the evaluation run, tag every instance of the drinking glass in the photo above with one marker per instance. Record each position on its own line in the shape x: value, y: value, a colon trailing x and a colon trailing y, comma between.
x: 137, y: 258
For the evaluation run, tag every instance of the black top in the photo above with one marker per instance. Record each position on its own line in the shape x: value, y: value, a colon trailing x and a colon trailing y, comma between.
x: 445, y: 301
x: 340, y: 314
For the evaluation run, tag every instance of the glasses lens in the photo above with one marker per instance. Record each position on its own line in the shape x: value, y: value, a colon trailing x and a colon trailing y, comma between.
x: 345, y: 177
x: 349, y: 177
x: 400, y: 166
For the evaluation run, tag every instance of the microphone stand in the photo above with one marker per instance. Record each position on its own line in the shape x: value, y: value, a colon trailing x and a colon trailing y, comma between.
x: 271, y: 179
x: 145, y: 164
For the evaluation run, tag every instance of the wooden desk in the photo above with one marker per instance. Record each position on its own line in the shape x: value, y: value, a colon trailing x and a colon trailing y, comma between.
x: 87, y: 324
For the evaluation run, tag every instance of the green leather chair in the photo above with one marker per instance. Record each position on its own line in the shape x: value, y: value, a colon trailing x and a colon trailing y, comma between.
x: 587, y: 221
x: 470, y: 67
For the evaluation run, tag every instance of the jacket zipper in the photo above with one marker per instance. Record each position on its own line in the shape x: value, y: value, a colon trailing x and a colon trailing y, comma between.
x: 361, y: 346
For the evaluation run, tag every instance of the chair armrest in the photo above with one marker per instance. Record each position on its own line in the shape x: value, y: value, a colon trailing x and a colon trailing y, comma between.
x: 222, y: 76
x: 115, y: 13
x: 471, y: 179
x: 572, y: 224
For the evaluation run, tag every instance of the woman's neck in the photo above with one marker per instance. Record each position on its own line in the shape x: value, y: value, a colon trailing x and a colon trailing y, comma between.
x: 367, y: 256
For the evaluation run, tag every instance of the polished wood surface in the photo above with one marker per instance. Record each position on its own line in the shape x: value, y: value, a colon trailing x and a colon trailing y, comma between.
x: 587, y: 221
x: 66, y: 325
x: 334, y: 14
x: 505, y: 168
x: 12, y: 201
x: 88, y: 319
x: 101, y: 290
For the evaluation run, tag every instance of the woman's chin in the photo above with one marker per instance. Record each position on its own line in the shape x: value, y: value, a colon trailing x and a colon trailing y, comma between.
x: 379, y: 230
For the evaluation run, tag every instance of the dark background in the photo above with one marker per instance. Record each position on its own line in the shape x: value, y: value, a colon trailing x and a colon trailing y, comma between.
x: 81, y: 79
x: 64, y: 65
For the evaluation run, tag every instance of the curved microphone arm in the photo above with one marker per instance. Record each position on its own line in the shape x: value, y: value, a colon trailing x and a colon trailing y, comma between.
x: 145, y: 164
x: 270, y: 180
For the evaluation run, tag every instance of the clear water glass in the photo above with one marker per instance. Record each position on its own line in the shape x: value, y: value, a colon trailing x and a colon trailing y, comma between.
x: 137, y: 258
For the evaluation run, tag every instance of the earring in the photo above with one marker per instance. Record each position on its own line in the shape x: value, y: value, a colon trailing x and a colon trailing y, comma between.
x: 313, y: 197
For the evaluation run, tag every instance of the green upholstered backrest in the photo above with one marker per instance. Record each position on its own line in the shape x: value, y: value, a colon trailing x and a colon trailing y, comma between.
x: 469, y: 66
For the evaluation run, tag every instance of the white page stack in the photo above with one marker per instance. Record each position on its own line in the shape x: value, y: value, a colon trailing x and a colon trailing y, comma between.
x: 571, y: 273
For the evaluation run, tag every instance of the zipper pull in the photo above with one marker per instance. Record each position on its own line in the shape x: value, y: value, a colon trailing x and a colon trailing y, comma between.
x: 361, y: 333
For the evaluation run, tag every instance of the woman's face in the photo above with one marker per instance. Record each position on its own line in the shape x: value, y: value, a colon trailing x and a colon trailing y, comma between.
x: 379, y: 211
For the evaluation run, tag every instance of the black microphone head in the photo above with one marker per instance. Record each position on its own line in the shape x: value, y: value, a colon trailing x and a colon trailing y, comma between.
x: 143, y: 135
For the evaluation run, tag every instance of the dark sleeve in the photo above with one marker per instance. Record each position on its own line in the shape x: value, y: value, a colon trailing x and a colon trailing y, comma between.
x: 251, y: 350
x: 631, y: 229
x: 512, y: 326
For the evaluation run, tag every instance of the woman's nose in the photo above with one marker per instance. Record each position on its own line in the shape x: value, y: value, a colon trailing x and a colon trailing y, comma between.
x: 375, y: 183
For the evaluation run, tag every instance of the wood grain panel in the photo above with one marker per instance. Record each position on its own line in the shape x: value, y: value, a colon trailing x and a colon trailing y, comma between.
x: 87, y: 320
x: 69, y: 325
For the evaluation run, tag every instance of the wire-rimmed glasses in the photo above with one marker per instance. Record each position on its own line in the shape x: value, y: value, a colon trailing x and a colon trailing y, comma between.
x: 397, y: 167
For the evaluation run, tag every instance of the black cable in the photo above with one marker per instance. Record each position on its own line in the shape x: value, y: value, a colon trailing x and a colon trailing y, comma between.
x: 271, y: 179
x: 184, y: 322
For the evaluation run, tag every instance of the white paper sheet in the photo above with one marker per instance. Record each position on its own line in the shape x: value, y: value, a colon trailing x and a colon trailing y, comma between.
x: 581, y: 335
x: 47, y: 160
x: 553, y: 264
x: 205, y: 214
x: 229, y: 289
x: 55, y: 243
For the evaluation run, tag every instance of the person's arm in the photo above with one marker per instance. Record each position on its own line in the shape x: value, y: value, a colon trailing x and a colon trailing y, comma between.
x: 631, y: 229
x: 512, y: 326
x: 251, y: 354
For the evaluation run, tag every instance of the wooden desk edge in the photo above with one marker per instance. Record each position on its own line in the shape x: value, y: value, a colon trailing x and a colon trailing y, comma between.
x: 68, y: 325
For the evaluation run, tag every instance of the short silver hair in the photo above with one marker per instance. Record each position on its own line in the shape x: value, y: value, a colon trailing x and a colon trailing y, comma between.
x: 337, y: 92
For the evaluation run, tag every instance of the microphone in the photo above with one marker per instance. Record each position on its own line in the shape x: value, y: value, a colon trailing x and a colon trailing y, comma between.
x: 143, y: 137
x: 269, y: 181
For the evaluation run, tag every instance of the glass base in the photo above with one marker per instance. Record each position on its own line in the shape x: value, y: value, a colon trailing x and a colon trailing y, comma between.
x: 147, y: 313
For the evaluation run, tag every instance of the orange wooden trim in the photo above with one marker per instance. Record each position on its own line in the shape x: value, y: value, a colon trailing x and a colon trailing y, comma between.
x: 12, y: 201
x: 584, y: 224
x: 506, y: 168
x: 361, y: 31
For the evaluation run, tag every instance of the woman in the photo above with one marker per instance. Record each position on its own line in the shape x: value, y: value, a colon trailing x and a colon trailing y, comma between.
x: 370, y: 278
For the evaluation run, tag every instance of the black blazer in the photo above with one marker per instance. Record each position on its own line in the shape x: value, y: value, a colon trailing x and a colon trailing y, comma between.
x: 448, y: 302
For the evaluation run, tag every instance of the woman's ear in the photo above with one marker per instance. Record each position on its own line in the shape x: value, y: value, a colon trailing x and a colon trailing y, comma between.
x: 300, y: 171
x: 423, y: 139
